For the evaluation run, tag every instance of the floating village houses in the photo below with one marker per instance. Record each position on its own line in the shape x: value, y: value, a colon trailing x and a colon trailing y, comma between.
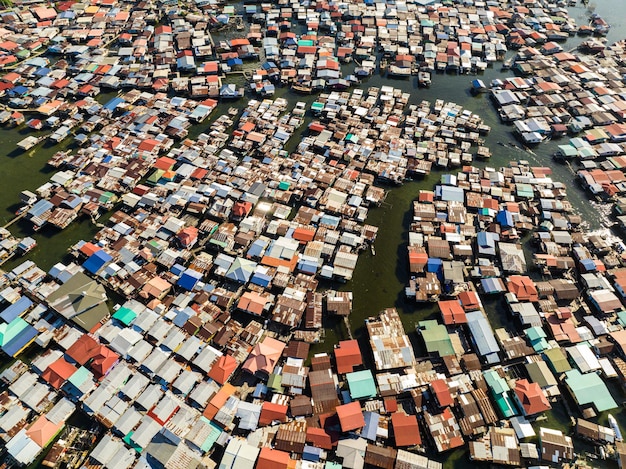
x: 183, y: 329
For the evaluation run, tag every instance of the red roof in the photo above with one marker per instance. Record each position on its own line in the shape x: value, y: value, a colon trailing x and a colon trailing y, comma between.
x: 272, y: 459
x: 531, y: 396
x: 58, y: 372
x: 271, y: 412
x: 391, y: 405
x: 469, y: 300
x: 452, y: 312
x: 350, y: 416
x: 188, y: 235
x: 405, y: 429
x: 241, y: 209
x: 83, y: 350
x: 318, y: 437
x: 442, y: 392
x: 103, y: 361
x: 43, y: 430
x: 89, y: 248
x: 347, y: 356
x: 223, y: 368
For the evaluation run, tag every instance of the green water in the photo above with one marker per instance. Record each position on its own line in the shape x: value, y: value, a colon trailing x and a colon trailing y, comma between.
x: 379, y: 280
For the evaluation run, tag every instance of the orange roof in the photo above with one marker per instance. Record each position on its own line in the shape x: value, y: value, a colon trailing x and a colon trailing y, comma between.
x: 304, y: 234
x: 164, y: 162
x: 252, y: 302
x: 350, y: 416
x: 220, y: 398
x: 223, y: 368
x: 531, y: 396
x: 347, y: 356
x: 89, y: 248
x: 264, y: 356
x: 272, y: 459
x: 43, y: 430
x: 405, y: 429
x: 452, y: 312
x: 523, y: 287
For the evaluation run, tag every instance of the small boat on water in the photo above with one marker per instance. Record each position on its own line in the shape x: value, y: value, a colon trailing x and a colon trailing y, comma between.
x: 615, y: 427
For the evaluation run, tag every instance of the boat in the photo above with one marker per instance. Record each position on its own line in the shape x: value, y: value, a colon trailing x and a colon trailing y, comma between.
x: 478, y: 86
x: 372, y: 249
x: 27, y: 244
x: 615, y: 427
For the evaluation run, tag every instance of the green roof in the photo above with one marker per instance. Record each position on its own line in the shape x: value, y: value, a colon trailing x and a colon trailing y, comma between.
x: 125, y: 315
x: 154, y: 177
x: 589, y: 388
x: 568, y: 151
x: 436, y: 338
x: 274, y: 382
x: 283, y: 185
x: 332, y: 465
x: 80, y: 376
x: 557, y: 360
x: 361, y: 384
x: 317, y: 106
x: 305, y: 42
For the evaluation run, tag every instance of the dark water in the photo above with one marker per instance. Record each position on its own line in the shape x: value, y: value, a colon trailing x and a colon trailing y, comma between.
x: 379, y: 280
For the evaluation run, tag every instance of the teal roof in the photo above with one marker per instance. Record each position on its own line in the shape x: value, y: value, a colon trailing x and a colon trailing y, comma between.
x: 496, y: 382
x: 535, y: 333
x: 361, y: 384
x: 80, y: 376
x: 125, y: 315
x: 505, y: 405
x: 589, y: 388
x: 621, y: 317
x: 213, y: 436
x: 332, y: 465
x: 568, y: 151
x: 524, y: 190
x: 436, y: 338
x: 128, y: 439
x: 10, y: 331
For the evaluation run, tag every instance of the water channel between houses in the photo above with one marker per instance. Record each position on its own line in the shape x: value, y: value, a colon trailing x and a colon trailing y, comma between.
x: 378, y: 280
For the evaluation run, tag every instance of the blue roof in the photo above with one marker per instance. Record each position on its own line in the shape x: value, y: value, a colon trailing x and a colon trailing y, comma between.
x: 20, y: 341
x: 189, y: 279
x: 231, y: 62
x: 113, y: 103
x: 96, y: 261
x: 371, y: 425
x: 490, y: 285
x: 182, y: 317
x: 16, y: 309
x: 588, y: 264
x: 260, y: 279
x: 41, y: 207
x: 505, y: 218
